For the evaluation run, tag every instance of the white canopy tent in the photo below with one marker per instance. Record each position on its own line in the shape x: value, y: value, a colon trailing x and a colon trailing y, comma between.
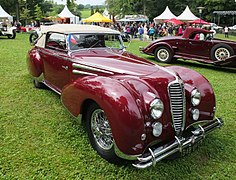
x: 167, y: 14
x: 65, y: 13
x: 4, y: 14
x: 187, y: 15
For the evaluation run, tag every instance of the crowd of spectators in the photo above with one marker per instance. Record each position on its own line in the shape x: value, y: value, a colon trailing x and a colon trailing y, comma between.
x: 146, y: 31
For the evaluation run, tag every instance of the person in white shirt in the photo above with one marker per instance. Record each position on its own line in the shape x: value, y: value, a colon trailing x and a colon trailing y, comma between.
x: 226, y: 29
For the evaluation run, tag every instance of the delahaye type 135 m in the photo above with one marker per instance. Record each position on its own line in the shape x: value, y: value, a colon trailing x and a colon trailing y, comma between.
x: 132, y: 108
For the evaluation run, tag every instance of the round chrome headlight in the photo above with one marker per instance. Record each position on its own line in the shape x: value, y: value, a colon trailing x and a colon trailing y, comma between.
x: 156, y: 108
x: 195, y: 97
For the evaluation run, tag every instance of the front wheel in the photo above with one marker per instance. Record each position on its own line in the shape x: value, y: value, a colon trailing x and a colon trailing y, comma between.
x: 221, y: 52
x: 163, y: 54
x: 99, y: 133
x: 13, y: 35
x: 33, y: 37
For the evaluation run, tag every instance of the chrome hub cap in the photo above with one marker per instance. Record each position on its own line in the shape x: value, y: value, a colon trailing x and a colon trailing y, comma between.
x: 101, y: 130
x: 163, y: 54
x: 221, y: 54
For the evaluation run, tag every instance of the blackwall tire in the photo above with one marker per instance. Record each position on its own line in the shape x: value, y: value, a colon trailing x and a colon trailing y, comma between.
x: 163, y: 54
x: 221, y: 51
x: 13, y: 36
x: 99, y: 133
x: 38, y: 85
x: 33, y: 37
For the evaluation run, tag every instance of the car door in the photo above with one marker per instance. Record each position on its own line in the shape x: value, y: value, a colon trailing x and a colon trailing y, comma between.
x: 55, y: 61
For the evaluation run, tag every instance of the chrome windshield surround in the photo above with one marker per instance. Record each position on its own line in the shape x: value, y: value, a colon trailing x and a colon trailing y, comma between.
x: 176, y: 93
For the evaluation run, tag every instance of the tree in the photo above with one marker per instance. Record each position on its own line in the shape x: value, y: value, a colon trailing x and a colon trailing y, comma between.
x: 38, y: 13
x: 92, y: 11
x: 25, y: 15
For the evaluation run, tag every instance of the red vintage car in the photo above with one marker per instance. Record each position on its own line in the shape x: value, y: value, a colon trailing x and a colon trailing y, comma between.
x: 195, y: 44
x: 132, y: 108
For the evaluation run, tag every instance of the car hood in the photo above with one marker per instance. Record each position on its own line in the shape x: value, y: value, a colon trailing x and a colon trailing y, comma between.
x: 114, y: 61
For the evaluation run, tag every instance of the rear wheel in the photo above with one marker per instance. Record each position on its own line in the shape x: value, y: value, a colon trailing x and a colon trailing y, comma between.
x: 221, y: 52
x: 163, y: 54
x: 99, y: 133
x: 38, y: 84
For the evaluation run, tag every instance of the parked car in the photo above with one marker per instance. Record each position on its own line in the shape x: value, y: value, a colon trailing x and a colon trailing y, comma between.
x: 215, y: 26
x: 7, y: 30
x: 232, y: 27
x: 206, y: 49
x: 132, y: 108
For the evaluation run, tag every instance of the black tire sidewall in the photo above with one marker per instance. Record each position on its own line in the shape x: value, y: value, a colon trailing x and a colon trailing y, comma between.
x: 169, y: 60
x: 109, y: 155
x: 217, y: 46
x: 13, y: 36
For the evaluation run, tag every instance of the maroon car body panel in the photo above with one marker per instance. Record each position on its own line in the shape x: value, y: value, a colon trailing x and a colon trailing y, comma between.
x: 187, y: 48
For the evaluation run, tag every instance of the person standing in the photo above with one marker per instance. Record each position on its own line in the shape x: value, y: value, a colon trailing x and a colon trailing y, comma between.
x: 140, y: 32
x: 226, y: 29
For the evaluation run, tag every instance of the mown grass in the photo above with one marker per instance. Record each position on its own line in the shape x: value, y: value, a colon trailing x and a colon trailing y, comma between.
x: 85, y: 13
x: 39, y: 139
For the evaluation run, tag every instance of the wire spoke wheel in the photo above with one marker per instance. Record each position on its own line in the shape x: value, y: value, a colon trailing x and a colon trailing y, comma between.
x: 222, y: 53
x: 101, y: 130
x: 163, y: 55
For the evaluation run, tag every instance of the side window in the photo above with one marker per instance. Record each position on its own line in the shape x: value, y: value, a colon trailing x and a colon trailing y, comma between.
x: 56, y: 41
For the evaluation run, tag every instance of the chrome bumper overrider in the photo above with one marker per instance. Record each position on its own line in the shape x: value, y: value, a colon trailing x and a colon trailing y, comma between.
x: 178, y: 145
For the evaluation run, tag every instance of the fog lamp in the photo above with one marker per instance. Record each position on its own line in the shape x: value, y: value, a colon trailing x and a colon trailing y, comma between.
x: 196, y: 114
x: 157, y: 129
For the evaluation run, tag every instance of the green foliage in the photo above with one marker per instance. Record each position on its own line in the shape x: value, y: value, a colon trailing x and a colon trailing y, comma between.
x: 92, y: 11
x: 39, y: 139
x: 25, y: 15
x: 38, y: 12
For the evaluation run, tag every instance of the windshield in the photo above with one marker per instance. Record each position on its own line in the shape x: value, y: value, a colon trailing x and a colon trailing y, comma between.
x: 82, y: 41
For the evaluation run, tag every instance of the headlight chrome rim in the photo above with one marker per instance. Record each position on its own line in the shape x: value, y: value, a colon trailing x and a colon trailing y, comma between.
x: 195, y: 97
x: 156, y: 108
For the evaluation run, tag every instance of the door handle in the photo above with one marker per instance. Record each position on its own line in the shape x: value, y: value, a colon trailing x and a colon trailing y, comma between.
x: 65, y: 67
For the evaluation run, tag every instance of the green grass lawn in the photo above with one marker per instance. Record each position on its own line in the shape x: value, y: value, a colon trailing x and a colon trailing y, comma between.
x: 85, y: 13
x: 39, y: 139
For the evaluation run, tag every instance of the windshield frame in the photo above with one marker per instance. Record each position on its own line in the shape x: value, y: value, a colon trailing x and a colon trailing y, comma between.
x: 122, y: 46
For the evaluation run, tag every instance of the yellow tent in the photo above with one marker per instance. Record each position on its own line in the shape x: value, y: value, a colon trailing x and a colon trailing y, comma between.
x: 97, y: 17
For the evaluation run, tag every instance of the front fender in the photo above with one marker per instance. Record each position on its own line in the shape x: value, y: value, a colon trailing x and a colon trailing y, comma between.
x: 193, y: 79
x: 124, y: 116
x: 150, y: 49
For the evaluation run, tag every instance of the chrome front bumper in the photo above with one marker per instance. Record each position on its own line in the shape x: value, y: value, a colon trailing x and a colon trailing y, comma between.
x: 178, y: 145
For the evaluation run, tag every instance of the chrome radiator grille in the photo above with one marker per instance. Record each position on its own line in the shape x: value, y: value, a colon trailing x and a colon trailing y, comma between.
x: 177, y: 103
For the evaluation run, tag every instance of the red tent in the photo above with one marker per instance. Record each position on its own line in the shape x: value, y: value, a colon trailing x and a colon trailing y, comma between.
x: 174, y: 21
x: 199, y: 21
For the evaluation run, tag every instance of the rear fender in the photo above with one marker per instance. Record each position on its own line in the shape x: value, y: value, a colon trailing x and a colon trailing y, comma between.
x: 123, y: 114
x: 34, y: 62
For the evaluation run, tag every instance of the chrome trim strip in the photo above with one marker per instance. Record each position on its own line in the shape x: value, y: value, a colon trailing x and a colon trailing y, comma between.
x: 179, y: 144
x: 84, y: 73
x: 124, y: 156
x: 183, y: 109
x: 75, y: 65
x: 53, y: 89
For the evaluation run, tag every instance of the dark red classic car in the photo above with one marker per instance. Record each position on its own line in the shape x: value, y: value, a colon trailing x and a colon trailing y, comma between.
x: 195, y: 44
x: 132, y: 108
